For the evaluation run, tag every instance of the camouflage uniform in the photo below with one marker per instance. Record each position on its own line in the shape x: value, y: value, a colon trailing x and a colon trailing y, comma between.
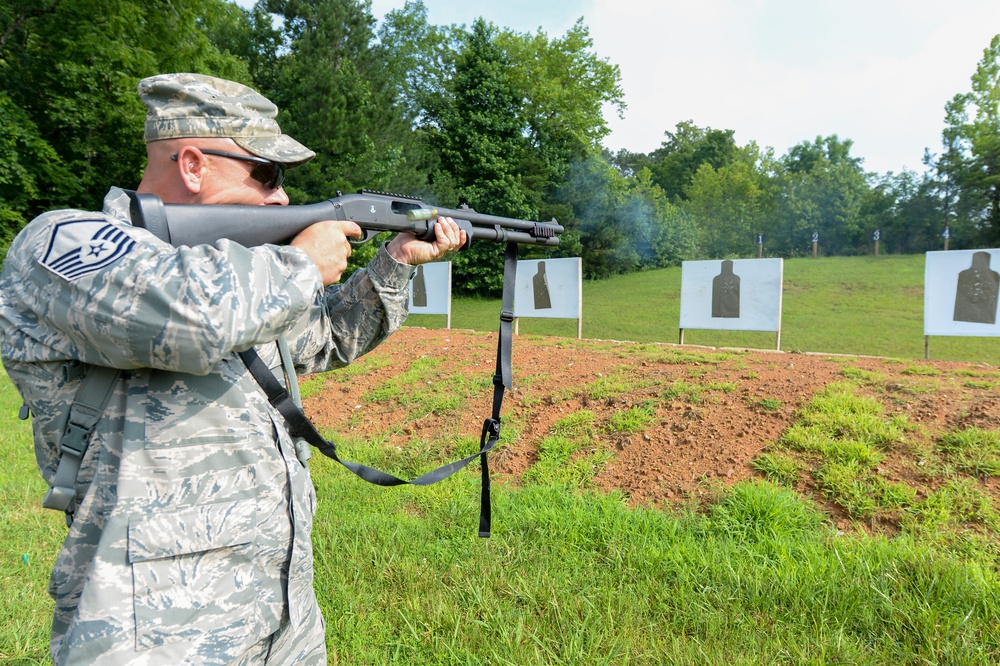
x: 191, y: 538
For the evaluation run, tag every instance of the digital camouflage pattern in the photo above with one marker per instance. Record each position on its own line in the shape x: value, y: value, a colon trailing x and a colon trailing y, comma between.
x: 191, y: 537
x: 199, y: 106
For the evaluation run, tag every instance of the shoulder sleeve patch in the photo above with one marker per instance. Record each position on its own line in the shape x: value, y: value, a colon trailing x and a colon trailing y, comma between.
x: 81, y: 247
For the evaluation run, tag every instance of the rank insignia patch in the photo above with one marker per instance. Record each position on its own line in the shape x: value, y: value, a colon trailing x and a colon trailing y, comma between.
x: 82, y: 247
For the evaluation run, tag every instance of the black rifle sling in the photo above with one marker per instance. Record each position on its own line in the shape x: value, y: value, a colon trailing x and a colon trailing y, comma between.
x: 501, y: 380
x: 299, y: 424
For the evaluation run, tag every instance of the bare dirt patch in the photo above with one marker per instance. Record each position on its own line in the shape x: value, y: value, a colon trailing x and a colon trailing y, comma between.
x: 715, y: 410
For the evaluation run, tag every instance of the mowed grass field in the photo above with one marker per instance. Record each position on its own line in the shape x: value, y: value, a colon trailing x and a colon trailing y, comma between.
x: 752, y: 574
x: 872, y: 306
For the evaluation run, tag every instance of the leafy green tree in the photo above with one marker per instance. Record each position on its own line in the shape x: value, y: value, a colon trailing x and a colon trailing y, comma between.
x: 940, y: 186
x: 481, y: 137
x: 418, y: 60
x: 622, y: 224
x: 250, y: 35
x: 822, y: 189
x: 68, y: 71
x: 479, y: 132
x: 731, y: 204
x: 566, y: 87
x: 912, y: 212
x: 822, y: 153
x: 674, y: 236
x: 678, y: 159
x: 629, y: 163
x: 596, y: 194
x: 823, y: 201
x: 340, y: 94
x: 29, y: 166
x: 328, y: 88
x: 511, y: 114
x: 971, y: 159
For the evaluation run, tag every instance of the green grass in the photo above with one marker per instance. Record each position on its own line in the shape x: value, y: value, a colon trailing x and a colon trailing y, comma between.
x: 31, y: 537
x: 758, y: 575
x: 838, y: 444
x: 630, y: 421
x: 862, y: 491
x: 778, y: 467
x: 695, y: 392
x: 770, y: 404
x: 316, y: 384
x: 849, y: 305
x: 569, y: 455
x: 579, y: 578
x: 423, y: 388
x: 844, y: 436
x: 974, y: 450
x: 615, y: 384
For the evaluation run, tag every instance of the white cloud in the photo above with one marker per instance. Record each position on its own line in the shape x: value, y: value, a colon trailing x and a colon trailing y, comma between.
x: 780, y: 72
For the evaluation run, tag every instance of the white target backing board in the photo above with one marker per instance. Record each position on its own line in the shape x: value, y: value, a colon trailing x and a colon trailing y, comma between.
x: 961, y: 290
x: 430, y: 289
x: 735, y: 295
x: 549, y: 288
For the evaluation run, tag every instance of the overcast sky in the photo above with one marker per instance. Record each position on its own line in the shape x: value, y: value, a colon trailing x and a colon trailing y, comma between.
x: 778, y: 72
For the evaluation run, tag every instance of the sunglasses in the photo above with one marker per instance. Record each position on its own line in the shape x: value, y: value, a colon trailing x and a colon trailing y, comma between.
x: 265, y: 172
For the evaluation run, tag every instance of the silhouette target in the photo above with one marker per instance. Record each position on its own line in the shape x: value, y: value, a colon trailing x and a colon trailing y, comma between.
x: 976, y: 295
x: 726, y: 293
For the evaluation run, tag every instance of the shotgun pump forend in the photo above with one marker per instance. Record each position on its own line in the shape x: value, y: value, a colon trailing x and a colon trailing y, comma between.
x: 374, y: 212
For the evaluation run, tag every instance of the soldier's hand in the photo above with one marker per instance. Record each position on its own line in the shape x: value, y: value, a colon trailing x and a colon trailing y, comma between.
x: 448, y: 237
x: 327, y: 245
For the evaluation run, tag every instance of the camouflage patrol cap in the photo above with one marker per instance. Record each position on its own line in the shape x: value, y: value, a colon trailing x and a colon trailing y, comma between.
x: 200, y: 106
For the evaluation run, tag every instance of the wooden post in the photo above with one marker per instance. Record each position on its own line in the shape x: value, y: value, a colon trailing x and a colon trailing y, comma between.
x: 877, y: 236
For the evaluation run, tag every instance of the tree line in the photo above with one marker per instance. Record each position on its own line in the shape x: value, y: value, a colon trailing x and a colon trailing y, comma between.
x: 510, y: 123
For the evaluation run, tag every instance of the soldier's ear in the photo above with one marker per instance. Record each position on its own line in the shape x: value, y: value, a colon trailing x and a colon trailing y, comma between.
x: 191, y: 168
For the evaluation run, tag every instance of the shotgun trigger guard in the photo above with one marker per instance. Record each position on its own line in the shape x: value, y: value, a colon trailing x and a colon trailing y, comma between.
x: 369, y: 234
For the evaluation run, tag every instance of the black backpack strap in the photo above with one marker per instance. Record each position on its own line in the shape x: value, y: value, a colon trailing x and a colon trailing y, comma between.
x: 299, y: 424
x: 88, y: 405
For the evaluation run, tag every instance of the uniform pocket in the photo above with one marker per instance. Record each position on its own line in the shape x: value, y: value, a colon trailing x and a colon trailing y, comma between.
x: 193, y: 575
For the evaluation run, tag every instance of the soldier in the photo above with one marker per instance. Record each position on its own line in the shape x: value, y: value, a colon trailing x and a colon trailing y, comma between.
x: 191, y: 510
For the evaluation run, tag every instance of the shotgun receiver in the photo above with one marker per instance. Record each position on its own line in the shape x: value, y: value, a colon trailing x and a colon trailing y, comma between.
x: 374, y: 212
